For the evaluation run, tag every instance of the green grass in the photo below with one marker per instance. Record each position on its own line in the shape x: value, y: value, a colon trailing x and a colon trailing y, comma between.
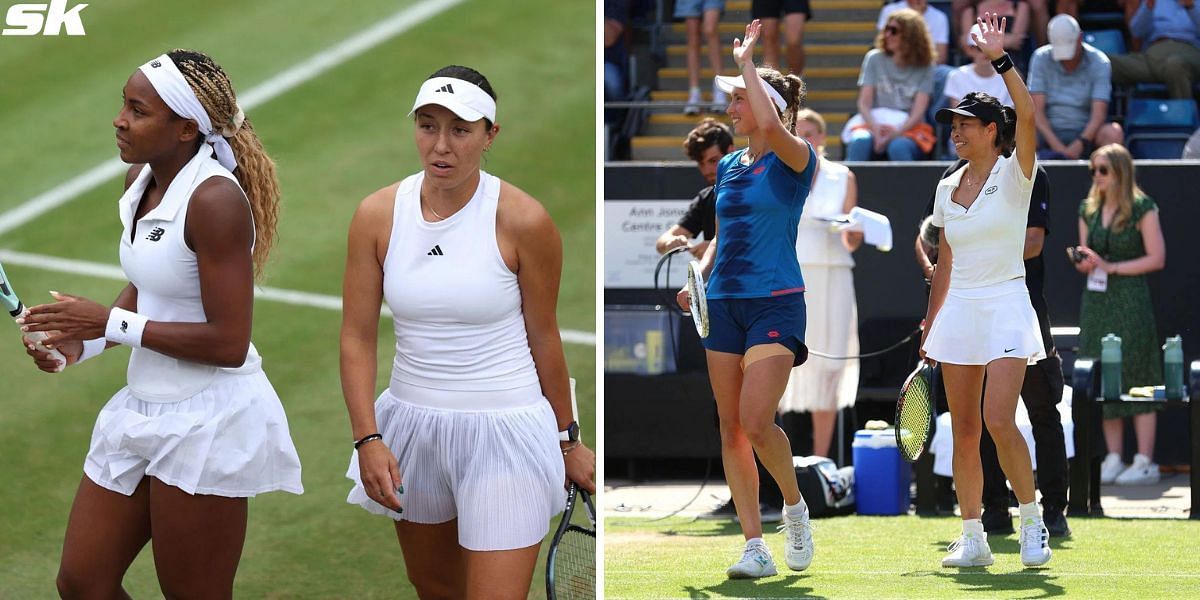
x: 900, y: 557
x: 336, y: 139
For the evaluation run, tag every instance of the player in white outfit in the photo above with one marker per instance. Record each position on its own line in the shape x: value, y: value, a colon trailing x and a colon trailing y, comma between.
x: 198, y: 428
x: 980, y: 319
x: 470, y: 446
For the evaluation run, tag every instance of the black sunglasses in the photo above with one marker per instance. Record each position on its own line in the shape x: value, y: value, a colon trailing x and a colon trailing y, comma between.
x: 891, y: 30
x: 1102, y: 169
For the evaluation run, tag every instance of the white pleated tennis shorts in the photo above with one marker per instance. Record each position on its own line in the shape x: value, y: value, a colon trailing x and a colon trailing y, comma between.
x: 497, y: 469
x: 978, y: 325
x: 231, y: 439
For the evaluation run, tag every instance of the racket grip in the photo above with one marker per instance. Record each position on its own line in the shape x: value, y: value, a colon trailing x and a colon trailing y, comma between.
x: 37, y: 337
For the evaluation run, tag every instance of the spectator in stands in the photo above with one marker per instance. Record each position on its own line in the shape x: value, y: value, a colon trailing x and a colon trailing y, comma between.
x: 895, y: 87
x: 616, y: 55
x: 824, y: 386
x: 706, y: 144
x: 1121, y: 241
x: 935, y: 19
x: 795, y: 13
x: 1170, y: 34
x: 1071, y: 86
x: 701, y: 17
x: 1015, y: 11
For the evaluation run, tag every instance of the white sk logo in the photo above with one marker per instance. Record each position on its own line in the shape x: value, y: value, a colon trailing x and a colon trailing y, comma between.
x: 28, y: 19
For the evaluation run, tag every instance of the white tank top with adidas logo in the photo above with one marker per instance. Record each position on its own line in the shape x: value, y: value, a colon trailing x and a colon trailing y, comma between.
x: 158, y: 262
x: 456, y: 305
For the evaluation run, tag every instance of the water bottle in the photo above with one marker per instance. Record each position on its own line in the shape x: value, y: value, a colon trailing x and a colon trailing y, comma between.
x: 1173, y: 367
x: 1110, y: 366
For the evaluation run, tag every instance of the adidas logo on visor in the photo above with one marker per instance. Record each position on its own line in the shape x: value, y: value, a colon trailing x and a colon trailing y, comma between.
x: 445, y: 88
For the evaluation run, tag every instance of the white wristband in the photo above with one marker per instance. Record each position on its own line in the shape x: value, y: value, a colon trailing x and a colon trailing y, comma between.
x: 125, y: 327
x: 92, y: 348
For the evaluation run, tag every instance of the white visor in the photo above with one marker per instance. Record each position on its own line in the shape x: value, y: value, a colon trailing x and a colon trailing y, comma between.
x: 727, y: 84
x: 463, y: 98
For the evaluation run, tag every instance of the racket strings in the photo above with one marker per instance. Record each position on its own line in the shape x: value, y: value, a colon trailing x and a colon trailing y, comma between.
x: 575, y: 566
x: 914, y: 416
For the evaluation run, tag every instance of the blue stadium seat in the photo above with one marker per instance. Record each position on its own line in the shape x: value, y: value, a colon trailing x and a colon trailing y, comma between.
x: 1159, y: 128
x: 1108, y: 41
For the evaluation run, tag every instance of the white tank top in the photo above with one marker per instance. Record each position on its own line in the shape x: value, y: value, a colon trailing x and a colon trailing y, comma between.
x: 815, y: 243
x: 159, y: 264
x: 456, y: 305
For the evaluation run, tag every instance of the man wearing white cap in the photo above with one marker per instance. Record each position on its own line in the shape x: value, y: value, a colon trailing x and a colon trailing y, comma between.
x: 1071, y: 83
x: 1170, y: 34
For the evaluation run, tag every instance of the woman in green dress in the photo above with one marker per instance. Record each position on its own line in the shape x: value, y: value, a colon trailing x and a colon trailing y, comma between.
x: 1120, y: 242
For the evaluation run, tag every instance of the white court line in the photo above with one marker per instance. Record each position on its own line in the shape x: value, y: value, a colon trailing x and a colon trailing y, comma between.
x: 272, y: 88
x: 1052, y: 573
x: 293, y: 297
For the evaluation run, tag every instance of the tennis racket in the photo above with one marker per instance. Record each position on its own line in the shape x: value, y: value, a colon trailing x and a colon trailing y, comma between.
x: 914, y: 413
x: 571, y: 562
x: 11, y: 303
x: 697, y: 300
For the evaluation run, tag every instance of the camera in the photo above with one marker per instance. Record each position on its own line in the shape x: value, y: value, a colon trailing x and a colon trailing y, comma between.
x: 1074, y: 254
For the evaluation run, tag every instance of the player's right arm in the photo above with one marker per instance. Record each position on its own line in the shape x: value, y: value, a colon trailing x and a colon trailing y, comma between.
x: 362, y: 297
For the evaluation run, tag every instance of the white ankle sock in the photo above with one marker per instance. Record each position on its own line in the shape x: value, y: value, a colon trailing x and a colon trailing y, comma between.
x: 974, y: 527
x: 1029, y: 511
x: 798, y: 509
x: 755, y: 542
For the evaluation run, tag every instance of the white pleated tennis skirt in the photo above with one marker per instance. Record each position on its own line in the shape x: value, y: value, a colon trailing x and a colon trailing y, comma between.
x: 978, y: 325
x: 498, y: 469
x: 231, y: 439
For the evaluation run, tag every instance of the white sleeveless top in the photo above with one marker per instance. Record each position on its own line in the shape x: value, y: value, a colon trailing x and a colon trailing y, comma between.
x: 815, y: 243
x: 456, y: 305
x: 158, y: 262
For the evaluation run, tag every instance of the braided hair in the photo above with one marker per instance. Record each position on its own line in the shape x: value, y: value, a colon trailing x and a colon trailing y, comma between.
x: 793, y: 90
x: 255, y: 170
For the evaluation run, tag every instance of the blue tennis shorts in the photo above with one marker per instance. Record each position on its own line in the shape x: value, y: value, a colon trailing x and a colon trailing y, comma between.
x: 737, y: 324
x: 696, y: 8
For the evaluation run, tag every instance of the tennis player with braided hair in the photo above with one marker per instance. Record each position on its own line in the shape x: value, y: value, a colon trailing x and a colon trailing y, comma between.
x: 980, y: 318
x: 756, y: 300
x: 469, y: 447
x: 198, y: 428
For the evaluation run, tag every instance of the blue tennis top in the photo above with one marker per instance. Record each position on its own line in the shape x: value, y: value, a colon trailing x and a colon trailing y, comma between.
x: 758, y: 213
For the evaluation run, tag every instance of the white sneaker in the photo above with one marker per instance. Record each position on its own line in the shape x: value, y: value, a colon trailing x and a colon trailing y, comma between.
x: 1035, y: 546
x: 798, y: 549
x: 1141, y: 472
x: 1111, y: 467
x: 693, y: 102
x: 719, y: 100
x: 969, y: 551
x: 756, y: 562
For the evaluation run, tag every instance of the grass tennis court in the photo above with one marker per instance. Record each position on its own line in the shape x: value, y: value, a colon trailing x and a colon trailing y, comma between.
x: 336, y: 138
x: 900, y: 557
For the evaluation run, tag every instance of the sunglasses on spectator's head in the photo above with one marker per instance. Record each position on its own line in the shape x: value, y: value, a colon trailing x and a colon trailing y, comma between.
x: 1102, y: 169
x: 891, y: 30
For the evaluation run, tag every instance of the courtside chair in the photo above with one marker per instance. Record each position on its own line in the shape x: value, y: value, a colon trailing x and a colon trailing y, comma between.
x: 1157, y: 128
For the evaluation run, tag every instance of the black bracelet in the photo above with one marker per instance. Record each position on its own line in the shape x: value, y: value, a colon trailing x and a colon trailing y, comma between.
x: 367, y: 438
x: 1002, y: 64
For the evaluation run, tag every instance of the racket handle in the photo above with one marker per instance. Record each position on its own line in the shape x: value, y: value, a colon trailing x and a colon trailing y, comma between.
x: 37, y: 337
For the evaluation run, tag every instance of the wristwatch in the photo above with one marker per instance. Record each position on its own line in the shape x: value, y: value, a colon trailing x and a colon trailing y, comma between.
x: 570, y: 434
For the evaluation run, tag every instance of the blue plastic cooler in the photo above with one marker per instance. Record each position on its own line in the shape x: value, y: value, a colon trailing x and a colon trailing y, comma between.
x: 881, y: 475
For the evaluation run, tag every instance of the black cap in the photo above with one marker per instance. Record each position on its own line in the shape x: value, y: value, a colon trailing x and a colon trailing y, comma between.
x: 984, y: 111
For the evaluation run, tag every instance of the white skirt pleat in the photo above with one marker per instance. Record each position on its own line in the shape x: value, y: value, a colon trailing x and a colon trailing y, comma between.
x: 499, y: 472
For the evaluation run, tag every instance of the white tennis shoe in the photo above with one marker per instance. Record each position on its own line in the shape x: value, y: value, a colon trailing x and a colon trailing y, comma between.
x: 756, y: 562
x: 1141, y: 472
x: 1110, y: 468
x: 798, y: 550
x: 969, y: 551
x: 1035, y: 542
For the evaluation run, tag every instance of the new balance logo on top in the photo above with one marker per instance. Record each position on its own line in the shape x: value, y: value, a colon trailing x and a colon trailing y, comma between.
x: 437, y: 251
x: 156, y: 234
x: 446, y: 88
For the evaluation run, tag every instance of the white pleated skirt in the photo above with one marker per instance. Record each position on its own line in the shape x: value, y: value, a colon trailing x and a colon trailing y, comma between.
x: 978, y: 325
x: 496, y: 467
x: 823, y: 384
x: 231, y: 439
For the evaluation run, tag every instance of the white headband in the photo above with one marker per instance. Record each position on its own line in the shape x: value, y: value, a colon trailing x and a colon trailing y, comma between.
x: 727, y: 84
x: 464, y: 98
x: 175, y: 91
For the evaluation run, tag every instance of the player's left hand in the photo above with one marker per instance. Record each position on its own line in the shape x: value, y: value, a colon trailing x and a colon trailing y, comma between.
x: 743, y: 50
x: 991, y: 42
x: 71, y: 318
x: 581, y: 467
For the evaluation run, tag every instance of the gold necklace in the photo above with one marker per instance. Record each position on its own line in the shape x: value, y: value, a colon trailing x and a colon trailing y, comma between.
x: 435, y: 213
